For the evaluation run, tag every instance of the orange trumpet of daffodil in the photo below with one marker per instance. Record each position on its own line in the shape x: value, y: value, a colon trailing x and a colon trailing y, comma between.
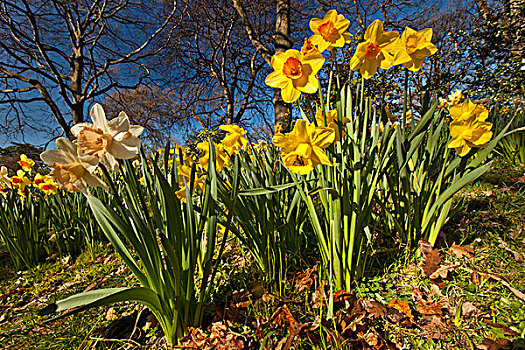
x: 294, y: 73
x: 375, y: 51
x: 302, y: 148
x: 330, y: 31
x: 413, y: 47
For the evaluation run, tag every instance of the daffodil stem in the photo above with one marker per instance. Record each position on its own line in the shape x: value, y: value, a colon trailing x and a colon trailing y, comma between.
x: 405, y: 95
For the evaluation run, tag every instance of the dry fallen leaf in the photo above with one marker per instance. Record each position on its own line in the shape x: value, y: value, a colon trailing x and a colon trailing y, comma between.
x: 501, y: 343
x: 466, y: 251
x: 305, y: 280
x: 374, y: 308
x: 443, y: 271
x: 505, y: 283
x: 504, y: 245
x: 429, y: 308
x: 402, y: 306
x: 468, y: 309
x: 432, y: 262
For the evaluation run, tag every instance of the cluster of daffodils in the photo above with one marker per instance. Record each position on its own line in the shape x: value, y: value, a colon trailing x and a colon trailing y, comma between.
x: 468, y: 128
x: 74, y: 163
x: 295, y: 71
x: 453, y: 99
x: 233, y: 142
x: 22, y: 179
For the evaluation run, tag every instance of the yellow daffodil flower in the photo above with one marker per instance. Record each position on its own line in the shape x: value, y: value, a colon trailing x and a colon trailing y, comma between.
x: 294, y: 73
x: 234, y: 140
x: 38, y: 180
x: 4, y: 190
x: 160, y: 151
x: 4, y: 177
x: 330, y: 31
x: 302, y: 148
x: 331, y: 121
x: 184, y: 174
x: 468, y: 110
x: 49, y: 187
x: 413, y: 47
x: 25, y: 163
x: 443, y: 103
x: 455, y: 97
x: 375, y: 51
x: 108, y: 139
x: 223, y: 159
x: 20, y: 181
x: 308, y: 48
x: 72, y: 170
x: 468, y: 133
x: 469, y: 128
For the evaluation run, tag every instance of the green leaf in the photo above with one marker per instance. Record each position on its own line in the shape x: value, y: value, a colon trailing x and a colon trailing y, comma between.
x: 101, y: 297
x: 266, y: 190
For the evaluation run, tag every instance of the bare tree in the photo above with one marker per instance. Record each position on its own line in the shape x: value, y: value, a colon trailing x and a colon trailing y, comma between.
x: 211, y: 56
x: 65, y: 53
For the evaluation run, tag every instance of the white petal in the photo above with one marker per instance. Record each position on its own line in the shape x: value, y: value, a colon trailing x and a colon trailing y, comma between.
x: 67, y: 146
x: 99, y: 117
x: 126, y: 149
x: 136, y: 130
x: 89, y: 163
x: 94, y: 181
x: 119, y: 124
x: 77, y: 128
x: 57, y: 156
x: 110, y: 162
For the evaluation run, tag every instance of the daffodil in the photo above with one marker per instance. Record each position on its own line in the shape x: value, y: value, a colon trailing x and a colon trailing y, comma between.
x: 234, y: 139
x: 331, y: 121
x: 108, y: 140
x: 308, y: 48
x: 4, y: 177
x: 294, y: 73
x: 468, y: 133
x: 222, y: 157
x: 443, y: 103
x: 469, y: 128
x: 184, y: 174
x: 330, y: 31
x: 375, y: 51
x: 72, y: 170
x: 4, y: 190
x: 20, y: 181
x: 413, y: 47
x: 302, y: 148
x: 455, y: 97
x: 49, y: 187
x: 25, y: 163
x: 467, y: 110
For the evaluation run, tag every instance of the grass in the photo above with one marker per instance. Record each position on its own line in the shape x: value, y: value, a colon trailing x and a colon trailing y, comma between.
x: 477, y: 311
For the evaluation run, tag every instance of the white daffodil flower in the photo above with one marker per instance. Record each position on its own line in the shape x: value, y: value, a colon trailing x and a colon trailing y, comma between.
x: 108, y: 139
x: 4, y: 178
x: 72, y: 170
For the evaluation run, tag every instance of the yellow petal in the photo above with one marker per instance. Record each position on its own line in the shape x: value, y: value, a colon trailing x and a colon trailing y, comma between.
x: 289, y: 93
x: 276, y: 79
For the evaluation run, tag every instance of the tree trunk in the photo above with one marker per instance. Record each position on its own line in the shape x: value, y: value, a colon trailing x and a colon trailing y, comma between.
x: 282, y: 42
